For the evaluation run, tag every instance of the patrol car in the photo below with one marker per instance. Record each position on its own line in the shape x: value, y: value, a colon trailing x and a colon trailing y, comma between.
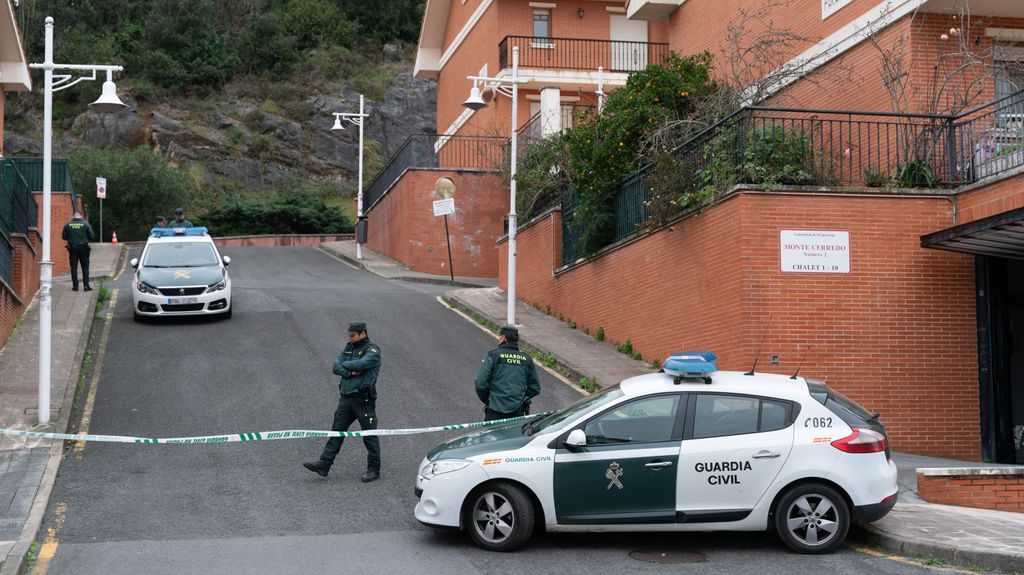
x: 686, y: 449
x: 181, y: 272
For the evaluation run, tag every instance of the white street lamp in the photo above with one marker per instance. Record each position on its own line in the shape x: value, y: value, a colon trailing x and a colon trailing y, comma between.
x: 356, y: 119
x: 107, y: 102
x: 508, y: 87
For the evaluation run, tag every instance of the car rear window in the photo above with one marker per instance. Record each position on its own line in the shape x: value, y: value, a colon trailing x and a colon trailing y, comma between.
x: 849, y: 410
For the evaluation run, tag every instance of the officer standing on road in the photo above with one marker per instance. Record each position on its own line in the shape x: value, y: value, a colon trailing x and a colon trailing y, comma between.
x: 507, y: 378
x: 179, y: 219
x: 358, y: 366
x: 78, y: 233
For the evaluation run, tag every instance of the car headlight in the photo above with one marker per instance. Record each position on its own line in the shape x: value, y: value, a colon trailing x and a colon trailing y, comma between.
x: 217, y: 286
x: 145, y: 288
x: 443, y: 466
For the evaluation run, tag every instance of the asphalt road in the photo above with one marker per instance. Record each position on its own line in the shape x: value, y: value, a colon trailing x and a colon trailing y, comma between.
x: 252, y: 507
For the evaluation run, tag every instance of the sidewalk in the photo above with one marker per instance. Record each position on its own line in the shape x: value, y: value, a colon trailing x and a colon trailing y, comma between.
x: 975, y: 538
x: 391, y: 269
x: 28, y: 467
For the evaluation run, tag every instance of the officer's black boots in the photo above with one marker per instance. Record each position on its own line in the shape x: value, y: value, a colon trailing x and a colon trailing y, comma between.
x: 370, y: 475
x: 317, y: 467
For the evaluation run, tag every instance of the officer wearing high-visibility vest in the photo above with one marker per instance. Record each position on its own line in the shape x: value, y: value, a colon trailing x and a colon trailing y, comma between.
x: 507, y: 378
x: 358, y: 365
x: 78, y: 233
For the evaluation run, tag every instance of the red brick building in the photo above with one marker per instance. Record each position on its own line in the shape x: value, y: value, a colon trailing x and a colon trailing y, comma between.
x: 892, y: 269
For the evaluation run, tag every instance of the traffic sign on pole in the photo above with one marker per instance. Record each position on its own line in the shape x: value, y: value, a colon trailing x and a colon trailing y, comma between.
x: 101, y: 188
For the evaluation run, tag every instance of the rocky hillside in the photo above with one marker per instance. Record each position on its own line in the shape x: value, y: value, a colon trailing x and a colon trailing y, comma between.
x: 247, y: 143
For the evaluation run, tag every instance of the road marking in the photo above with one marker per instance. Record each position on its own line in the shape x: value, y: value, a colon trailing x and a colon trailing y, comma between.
x: 49, y: 547
x: 909, y: 561
x: 90, y: 401
x: 554, y: 373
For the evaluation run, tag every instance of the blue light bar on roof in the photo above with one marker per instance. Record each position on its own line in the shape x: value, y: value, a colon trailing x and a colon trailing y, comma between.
x: 691, y: 364
x: 193, y: 231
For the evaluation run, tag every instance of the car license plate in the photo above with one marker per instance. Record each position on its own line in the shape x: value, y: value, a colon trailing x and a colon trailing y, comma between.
x: 182, y: 300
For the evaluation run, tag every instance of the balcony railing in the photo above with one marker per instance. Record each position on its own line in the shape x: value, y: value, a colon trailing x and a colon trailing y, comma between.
x: 437, y: 151
x: 580, y: 54
x: 826, y: 148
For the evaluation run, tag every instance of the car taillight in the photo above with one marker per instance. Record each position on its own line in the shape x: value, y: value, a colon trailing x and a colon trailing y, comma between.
x: 862, y: 440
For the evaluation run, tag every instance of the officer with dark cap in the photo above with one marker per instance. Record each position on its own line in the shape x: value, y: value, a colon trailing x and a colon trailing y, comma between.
x: 358, y: 366
x: 78, y: 233
x: 507, y: 379
x: 179, y: 219
x: 161, y: 222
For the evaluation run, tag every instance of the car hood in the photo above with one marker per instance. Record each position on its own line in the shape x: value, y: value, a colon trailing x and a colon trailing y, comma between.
x: 169, y: 277
x: 505, y: 437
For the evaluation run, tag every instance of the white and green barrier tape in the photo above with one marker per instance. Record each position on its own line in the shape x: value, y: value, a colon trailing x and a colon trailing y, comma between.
x: 256, y: 435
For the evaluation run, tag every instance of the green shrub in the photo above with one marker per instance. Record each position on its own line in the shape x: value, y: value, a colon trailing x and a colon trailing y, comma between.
x: 260, y: 144
x: 626, y: 348
x: 270, y: 107
x: 300, y: 214
x: 235, y: 135
x: 599, y: 336
x: 767, y: 155
x: 916, y: 173
x: 140, y: 186
x: 875, y: 178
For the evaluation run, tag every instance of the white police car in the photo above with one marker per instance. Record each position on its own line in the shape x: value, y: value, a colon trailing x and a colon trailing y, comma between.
x: 664, y: 452
x: 181, y: 272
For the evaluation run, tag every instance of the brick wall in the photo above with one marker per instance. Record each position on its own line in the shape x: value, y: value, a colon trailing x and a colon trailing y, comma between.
x: 61, y: 211
x: 990, y: 199
x: 897, y: 333
x: 15, y: 297
x: 402, y: 225
x: 984, y: 488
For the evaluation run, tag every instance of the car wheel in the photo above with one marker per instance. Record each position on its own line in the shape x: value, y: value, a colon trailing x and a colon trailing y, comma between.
x: 812, y: 518
x: 500, y: 517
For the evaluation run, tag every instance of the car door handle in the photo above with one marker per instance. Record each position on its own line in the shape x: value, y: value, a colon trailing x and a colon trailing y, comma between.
x: 658, y: 464
x: 766, y: 455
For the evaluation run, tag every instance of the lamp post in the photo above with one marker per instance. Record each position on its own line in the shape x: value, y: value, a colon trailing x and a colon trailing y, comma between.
x: 509, y: 87
x: 356, y: 119
x: 107, y: 102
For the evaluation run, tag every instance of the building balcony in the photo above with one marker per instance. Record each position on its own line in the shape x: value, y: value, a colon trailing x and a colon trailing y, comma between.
x: 651, y: 9
x: 573, y: 62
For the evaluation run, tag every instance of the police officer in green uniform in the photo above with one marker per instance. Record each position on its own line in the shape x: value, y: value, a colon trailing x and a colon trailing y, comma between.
x: 507, y: 378
x: 358, y: 366
x: 179, y: 219
x: 78, y: 233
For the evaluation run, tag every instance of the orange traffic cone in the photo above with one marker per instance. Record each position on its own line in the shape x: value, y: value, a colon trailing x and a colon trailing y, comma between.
x: 113, y: 240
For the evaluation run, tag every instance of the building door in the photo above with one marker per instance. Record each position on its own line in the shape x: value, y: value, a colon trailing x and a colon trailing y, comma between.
x: 1000, y: 285
x: 628, y: 43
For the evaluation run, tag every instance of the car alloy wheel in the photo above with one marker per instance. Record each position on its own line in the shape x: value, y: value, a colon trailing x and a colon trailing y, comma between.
x: 812, y: 518
x: 500, y: 517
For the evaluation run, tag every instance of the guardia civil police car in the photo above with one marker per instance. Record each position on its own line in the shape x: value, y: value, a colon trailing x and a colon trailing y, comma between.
x: 665, y: 452
x: 181, y: 272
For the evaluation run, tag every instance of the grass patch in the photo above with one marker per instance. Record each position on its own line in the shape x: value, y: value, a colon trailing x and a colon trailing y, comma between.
x: 31, y: 556
x: 599, y: 336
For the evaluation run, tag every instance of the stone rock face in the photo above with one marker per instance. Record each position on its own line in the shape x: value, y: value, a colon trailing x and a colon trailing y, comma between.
x: 258, y: 150
x: 392, y: 53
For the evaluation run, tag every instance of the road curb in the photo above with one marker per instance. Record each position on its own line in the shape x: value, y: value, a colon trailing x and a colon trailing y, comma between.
x: 15, y: 560
x: 988, y: 560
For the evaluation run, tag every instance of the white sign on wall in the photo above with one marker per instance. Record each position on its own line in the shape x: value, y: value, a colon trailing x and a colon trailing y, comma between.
x: 830, y: 7
x: 815, y: 251
x: 444, y: 207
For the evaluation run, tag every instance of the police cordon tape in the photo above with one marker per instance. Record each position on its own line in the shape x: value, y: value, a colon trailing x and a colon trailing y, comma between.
x: 259, y: 435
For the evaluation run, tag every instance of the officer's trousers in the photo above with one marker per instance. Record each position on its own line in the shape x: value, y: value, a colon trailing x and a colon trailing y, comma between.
x: 491, y: 415
x: 349, y: 410
x: 79, y: 256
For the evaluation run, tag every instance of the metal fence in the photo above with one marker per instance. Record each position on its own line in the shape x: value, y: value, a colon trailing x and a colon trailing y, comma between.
x: 827, y: 148
x: 581, y: 54
x: 437, y: 151
x: 60, y: 175
x: 18, y: 212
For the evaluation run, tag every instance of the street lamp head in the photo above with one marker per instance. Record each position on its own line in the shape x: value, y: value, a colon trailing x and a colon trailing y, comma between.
x: 475, y: 100
x: 108, y: 100
x: 337, y: 124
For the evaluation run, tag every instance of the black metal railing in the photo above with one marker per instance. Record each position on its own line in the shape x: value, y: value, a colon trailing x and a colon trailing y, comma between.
x: 437, y: 151
x: 828, y: 148
x: 60, y: 175
x: 581, y: 54
x: 18, y: 212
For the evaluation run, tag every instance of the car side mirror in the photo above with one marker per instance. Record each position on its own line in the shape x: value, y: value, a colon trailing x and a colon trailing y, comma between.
x: 134, y: 262
x: 227, y: 260
x: 576, y: 440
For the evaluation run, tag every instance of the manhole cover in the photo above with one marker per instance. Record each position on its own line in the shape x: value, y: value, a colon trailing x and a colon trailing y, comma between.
x: 668, y: 556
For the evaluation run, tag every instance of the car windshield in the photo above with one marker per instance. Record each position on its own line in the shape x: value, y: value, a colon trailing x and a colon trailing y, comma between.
x: 591, y: 401
x: 180, y: 255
